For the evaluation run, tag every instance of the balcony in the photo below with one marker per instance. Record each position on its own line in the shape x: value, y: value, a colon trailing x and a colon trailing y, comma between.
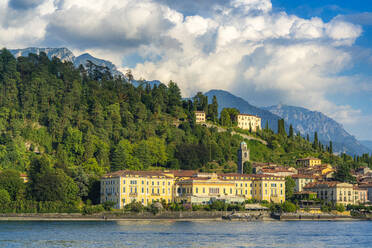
x: 133, y: 194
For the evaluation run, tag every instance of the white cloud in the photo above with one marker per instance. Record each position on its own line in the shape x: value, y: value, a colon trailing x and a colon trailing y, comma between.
x: 239, y: 45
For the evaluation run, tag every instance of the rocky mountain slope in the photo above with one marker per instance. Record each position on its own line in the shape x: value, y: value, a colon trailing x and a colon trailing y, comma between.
x: 308, y: 122
x: 65, y: 54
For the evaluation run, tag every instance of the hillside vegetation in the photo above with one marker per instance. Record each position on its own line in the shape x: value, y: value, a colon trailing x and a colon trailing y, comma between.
x: 65, y: 127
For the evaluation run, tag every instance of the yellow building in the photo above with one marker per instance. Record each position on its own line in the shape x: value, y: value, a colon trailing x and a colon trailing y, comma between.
x: 204, y: 188
x: 146, y: 187
x: 123, y: 187
x: 200, y: 117
x: 302, y: 180
x: 338, y: 192
x: 308, y: 162
x: 259, y: 187
x: 247, y: 122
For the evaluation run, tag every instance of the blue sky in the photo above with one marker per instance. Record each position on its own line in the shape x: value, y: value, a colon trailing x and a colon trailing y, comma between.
x: 314, y: 54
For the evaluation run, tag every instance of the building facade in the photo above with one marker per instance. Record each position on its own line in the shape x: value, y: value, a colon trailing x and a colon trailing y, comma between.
x: 308, y: 162
x: 368, y: 187
x: 200, y: 117
x: 248, y: 122
x: 124, y: 187
x: 302, y: 180
x: 147, y: 187
x: 204, y: 188
x: 259, y: 187
x: 338, y: 192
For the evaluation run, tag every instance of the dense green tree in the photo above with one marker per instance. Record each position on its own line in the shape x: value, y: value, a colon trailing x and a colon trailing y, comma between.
x: 10, y: 181
x: 50, y: 184
x: 4, y: 199
x: 343, y: 174
x: 290, y: 185
x: 225, y: 118
x: 123, y: 158
x: 247, y: 168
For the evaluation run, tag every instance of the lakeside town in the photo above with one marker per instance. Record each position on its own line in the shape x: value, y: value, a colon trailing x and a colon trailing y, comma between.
x: 313, y: 182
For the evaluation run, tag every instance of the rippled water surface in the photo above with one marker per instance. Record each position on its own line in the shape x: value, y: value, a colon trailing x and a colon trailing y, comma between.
x: 185, y: 234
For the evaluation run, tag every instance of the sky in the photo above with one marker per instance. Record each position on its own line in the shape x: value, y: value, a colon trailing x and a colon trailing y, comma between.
x: 314, y: 54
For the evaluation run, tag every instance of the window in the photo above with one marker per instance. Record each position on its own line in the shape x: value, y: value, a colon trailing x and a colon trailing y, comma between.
x: 196, y: 190
x: 143, y: 190
x: 143, y: 182
x: 203, y: 190
x: 123, y: 181
x: 123, y: 189
x: 214, y: 190
x: 133, y: 181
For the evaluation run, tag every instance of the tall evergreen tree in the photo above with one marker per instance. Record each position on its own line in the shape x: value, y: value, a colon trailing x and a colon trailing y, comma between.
x: 291, y: 134
x: 281, y: 128
x: 315, y: 142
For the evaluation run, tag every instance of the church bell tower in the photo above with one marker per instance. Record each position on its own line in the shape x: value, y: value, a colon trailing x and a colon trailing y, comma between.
x: 243, y: 156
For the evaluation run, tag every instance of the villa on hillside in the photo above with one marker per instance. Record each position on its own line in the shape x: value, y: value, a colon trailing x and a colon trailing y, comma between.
x: 200, y: 117
x: 248, y: 122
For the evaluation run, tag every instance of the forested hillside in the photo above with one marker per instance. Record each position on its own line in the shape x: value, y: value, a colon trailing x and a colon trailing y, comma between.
x: 65, y: 127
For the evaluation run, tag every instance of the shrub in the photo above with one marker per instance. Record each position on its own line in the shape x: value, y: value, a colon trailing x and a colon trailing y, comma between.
x: 92, y: 209
x: 289, y: 207
x: 108, y: 205
x: 340, y: 207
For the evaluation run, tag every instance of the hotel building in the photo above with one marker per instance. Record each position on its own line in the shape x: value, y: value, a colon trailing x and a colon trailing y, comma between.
x: 248, y: 122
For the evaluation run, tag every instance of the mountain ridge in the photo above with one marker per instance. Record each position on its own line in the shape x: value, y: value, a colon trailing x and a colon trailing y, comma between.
x: 65, y: 55
x: 308, y: 122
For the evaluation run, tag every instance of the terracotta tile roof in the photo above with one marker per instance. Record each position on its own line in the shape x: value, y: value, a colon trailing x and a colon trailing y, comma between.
x: 303, y: 176
x: 136, y: 173
x: 182, y: 173
x: 275, y: 170
x: 249, y: 115
x: 249, y: 176
x: 365, y: 185
x: 308, y: 158
x: 328, y: 184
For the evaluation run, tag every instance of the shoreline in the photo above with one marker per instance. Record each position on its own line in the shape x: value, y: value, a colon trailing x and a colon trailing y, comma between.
x: 174, y: 216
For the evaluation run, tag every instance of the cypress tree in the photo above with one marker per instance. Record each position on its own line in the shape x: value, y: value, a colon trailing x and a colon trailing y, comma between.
x: 330, y: 147
x: 290, y: 131
x: 281, y: 128
x: 316, y: 142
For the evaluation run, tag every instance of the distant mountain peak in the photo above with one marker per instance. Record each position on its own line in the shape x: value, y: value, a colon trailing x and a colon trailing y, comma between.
x: 307, y: 122
x: 64, y: 54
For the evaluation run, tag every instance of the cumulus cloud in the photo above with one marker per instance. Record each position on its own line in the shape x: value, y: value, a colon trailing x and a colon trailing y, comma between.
x: 243, y: 46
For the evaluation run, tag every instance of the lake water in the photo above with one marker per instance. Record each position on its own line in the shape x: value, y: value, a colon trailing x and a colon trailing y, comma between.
x: 185, y: 234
